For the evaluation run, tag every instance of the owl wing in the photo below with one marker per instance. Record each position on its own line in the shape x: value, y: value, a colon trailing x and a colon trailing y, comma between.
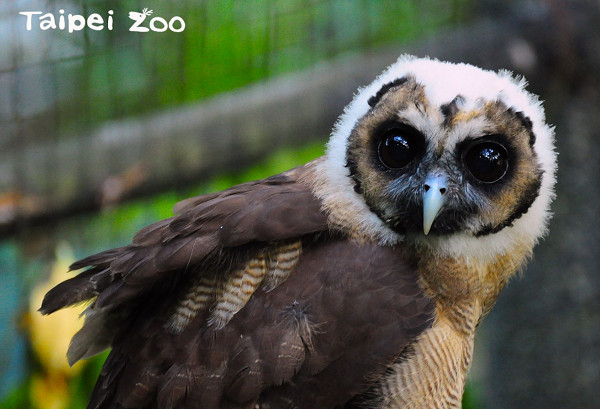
x: 200, y: 237
x: 245, y: 299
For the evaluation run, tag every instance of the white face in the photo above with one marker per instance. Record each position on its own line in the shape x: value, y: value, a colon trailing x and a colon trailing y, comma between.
x: 449, y: 155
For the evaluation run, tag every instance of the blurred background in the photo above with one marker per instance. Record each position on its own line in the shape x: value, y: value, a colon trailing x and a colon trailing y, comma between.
x: 101, y: 132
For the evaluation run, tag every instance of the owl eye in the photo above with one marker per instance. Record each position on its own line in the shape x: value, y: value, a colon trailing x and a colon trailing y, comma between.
x: 487, y: 161
x: 397, y: 148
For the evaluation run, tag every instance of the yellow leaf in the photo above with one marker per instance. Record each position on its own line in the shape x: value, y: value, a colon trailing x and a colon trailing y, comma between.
x: 49, y: 392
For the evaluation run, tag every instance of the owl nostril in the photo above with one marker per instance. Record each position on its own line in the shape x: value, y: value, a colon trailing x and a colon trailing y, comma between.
x: 443, y: 190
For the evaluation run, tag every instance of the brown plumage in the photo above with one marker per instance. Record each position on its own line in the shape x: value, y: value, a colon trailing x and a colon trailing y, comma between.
x: 317, y: 338
x: 355, y: 281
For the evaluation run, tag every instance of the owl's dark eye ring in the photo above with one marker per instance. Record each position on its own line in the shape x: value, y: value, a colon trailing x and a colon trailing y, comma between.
x: 487, y: 161
x: 398, y: 147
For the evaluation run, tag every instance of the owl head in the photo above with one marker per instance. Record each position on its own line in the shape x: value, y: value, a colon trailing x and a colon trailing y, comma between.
x: 449, y: 156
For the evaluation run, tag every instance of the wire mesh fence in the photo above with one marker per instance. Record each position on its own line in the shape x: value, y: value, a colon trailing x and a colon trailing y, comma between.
x: 63, y: 82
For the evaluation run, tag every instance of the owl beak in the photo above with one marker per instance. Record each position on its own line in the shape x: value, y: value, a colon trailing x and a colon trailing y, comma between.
x: 434, y: 189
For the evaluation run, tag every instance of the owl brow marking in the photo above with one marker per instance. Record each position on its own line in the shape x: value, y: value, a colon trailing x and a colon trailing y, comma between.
x: 526, y: 123
x: 384, y: 89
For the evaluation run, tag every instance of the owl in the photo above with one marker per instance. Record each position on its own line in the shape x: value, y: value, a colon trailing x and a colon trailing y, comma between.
x: 354, y: 281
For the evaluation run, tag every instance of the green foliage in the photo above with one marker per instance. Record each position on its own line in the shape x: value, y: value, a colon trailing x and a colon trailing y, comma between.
x: 17, y: 398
